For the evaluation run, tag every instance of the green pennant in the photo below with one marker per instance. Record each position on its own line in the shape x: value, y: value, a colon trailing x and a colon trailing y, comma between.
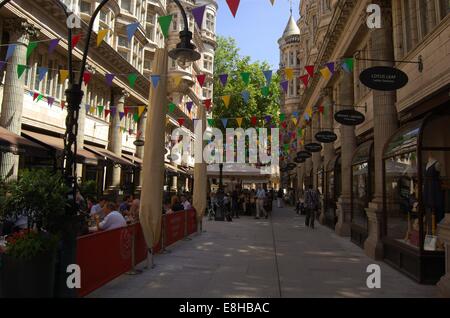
x: 282, y: 117
x: 265, y: 91
x: 164, y: 23
x: 39, y: 98
x: 172, y: 107
x: 136, y: 117
x: 245, y: 77
x: 20, y: 69
x: 286, y: 147
x: 211, y: 122
x: 300, y: 132
x: 350, y: 63
x: 100, y: 109
x: 132, y: 79
x: 31, y: 48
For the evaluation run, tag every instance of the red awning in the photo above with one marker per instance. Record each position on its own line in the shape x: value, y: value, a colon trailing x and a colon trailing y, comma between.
x: 11, y: 142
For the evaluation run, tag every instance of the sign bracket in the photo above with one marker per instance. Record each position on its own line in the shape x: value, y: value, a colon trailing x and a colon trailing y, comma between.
x: 419, y: 62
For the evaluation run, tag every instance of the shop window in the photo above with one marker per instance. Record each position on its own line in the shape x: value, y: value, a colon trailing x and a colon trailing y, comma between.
x: 333, y: 190
x: 417, y: 181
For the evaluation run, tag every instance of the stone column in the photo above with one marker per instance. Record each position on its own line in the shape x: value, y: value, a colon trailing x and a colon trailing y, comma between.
x: 20, y: 32
x: 444, y: 235
x: 140, y: 150
x: 385, y: 124
x: 412, y: 17
x: 328, y: 149
x: 316, y: 158
x: 348, y: 146
x: 115, y: 134
x: 431, y: 15
x: 309, y: 162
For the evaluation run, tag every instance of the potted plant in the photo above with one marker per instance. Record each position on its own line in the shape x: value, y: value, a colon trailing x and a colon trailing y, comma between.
x: 38, y: 199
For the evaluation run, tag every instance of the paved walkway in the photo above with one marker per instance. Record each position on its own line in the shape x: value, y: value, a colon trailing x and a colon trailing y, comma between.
x: 260, y: 258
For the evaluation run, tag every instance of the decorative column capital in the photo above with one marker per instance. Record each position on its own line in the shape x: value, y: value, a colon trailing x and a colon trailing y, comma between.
x: 18, y: 27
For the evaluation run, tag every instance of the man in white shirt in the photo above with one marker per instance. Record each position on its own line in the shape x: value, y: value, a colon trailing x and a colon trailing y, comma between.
x: 260, y: 197
x: 113, y: 219
x: 186, y: 204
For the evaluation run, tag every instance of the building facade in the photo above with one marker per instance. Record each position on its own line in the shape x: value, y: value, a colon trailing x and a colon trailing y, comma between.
x: 113, y: 113
x: 384, y: 182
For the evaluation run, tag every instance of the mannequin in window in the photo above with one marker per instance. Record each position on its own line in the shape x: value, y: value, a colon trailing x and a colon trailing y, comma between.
x: 433, y: 198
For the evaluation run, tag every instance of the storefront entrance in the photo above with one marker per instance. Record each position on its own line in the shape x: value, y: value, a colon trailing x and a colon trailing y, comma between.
x: 332, y: 191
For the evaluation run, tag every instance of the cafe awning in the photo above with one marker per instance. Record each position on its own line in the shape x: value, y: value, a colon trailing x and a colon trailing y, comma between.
x: 57, y: 144
x: 109, y: 155
x: 133, y: 159
x: 11, y: 142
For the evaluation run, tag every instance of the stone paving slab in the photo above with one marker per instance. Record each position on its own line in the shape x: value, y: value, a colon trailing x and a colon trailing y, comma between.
x: 253, y: 258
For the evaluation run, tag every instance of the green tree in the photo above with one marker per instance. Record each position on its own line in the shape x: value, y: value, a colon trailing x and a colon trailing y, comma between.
x: 228, y: 61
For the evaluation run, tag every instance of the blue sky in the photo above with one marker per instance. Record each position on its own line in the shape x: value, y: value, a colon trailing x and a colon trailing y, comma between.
x: 257, y: 27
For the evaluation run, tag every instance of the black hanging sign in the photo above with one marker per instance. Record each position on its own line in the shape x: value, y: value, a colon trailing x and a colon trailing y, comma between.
x: 138, y: 143
x: 292, y: 166
x: 326, y: 137
x: 382, y: 78
x: 304, y: 155
x: 299, y: 160
x: 349, y: 117
x: 313, y: 147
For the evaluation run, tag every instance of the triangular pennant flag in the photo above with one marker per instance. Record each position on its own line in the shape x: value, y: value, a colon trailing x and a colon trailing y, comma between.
x: 234, y: 6
x: 172, y: 107
x: 131, y: 30
x: 295, y: 114
x: 126, y: 110
x: 294, y: 120
x: 92, y: 109
x: 239, y: 121
x: 121, y: 114
x: 63, y: 104
x: 226, y: 100
x: 268, y: 75
x: 63, y: 75
x: 113, y: 111
x: 331, y: 67
x: 50, y: 101
x: 224, y: 122
x: 10, y: 52
x: 207, y: 103
x: 245, y: 77
x: 141, y: 110
x: 136, y: 117
x: 52, y: 46
x: 177, y: 79
x: 282, y: 117
x: 20, y: 69
x: 109, y: 79
x: 310, y: 70
x: 326, y: 73
x: 223, y: 79
x: 35, y: 95
x: 39, y: 97
x: 201, y: 79
x: 268, y: 118
x: 348, y: 65
x: 198, y: 14
x: 101, y: 34
x: 164, y: 23
x: 75, y: 40
x: 289, y: 73
x: 305, y: 80
x: 180, y: 121
x: 87, y: 107
x: 87, y: 77
x: 284, y: 86
x: 254, y: 120
x: 30, y: 48
x: 211, y: 122
x: 107, y: 112
x: 321, y: 109
x: 265, y: 91
x: 189, y: 106
x: 272, y: 1
x: 284, y: 124
x: 155, y: 80
x: 42, y: 71
x: 132, y: 79
x: 245, y: 96
x: 100, y: 109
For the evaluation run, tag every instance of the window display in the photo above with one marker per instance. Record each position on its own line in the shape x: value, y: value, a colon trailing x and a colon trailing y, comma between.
x: 417, y: 174
x: 333, y: 190
x: 362, y: 183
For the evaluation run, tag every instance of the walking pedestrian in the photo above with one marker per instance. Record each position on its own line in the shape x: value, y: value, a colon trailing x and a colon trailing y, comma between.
x: 260, y: 197
x: 279, y: 198
x: 311, y: 204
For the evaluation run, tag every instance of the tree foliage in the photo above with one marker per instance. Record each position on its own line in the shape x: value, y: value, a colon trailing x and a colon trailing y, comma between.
x: 228, y: 61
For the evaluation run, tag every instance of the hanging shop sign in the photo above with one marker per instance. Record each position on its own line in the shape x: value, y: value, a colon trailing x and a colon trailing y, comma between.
x: 313, y: 147
x: 326, y: 137
x: 299, y: 160
x: 349, y: 117
x: 138, y: 143
x: 304, y: 155
x: 382, y: 78
x: 292, y: 166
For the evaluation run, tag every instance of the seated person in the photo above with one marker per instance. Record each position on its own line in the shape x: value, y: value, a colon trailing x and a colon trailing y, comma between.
x: 125, y: 205
x: 97, y: 209
x: 175, y: 204
x: 186, y: 204
x: 113, y: 219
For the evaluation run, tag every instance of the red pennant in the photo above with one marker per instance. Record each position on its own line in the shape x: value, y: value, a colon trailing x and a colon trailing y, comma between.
x: 201, y: 79
x: 233, y: 5
x: 63, y: 103
x: 207, y: 103
x: 35, y: 95
x: 107, y: 112
x: 321, y: 109
x: 180, y: 121
x: 87, y: 77
x: 284, y: 124
x: 126, y: 110
x: 305, y: 80
x: 310, y: 70
x: 254, y: 120
x: 75, y: 40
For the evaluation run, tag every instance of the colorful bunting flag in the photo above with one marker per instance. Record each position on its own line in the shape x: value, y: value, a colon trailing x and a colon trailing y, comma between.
x: 109, y: 79
x: 141, y: 110
x: 245, y: 77
x: 100, y: 109
x: 50, y: 101
x: 331, y: 67
x: 131, y: 30
x: 20, y: 69
x: 223, y: 79
x: 285, y: 86
x: 310, y: 70
x: 268, y: 75
x: 52, y: 46
x: 282, y: 117
x: 172, y: 107
x: 189, y: 106
x: 35, y: 95
x: 254, y: 120
x: 265, y: 91
x: 239, y: 121
x: 207, y: 103
x: 289, y: 73
x: 348, y: 64
x: 226, y: 100
x: 180, y: 121
x: 201, y: 79
x: 268, y: 118
x: 75, y: 40
x: 10, y: 52
x: 136, y: 117
x: 210, y: 122
x: 132, y: 79
x: 42, y: 71
x: 121, y: 114
x: 234, y: 6
x: 107, y: 112
x: 63, y: 75
x: 224, y: 122
x: 305, y: 80
x: 198, y: 14
x: 326, y: 73
x: 101, y: 36
x: 164, y: 23
x: 155, y: 80
x: 87, y: 76
x: 30, y: 48
x: 246, y: 96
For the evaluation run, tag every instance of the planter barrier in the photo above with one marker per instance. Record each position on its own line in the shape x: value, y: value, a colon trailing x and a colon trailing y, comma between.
x: 105, y: 255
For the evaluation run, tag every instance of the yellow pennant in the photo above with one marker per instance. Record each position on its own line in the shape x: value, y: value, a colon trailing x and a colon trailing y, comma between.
x: 177, y: 80
x: 141, y: 109
x: 289, y: 73
x: 326, y: 73
x: 63, y: 75
x: 92, y: 110
x: 101, y: 36
x: 239, y: 121
x: 226, y: 100
x: 294, y: 120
